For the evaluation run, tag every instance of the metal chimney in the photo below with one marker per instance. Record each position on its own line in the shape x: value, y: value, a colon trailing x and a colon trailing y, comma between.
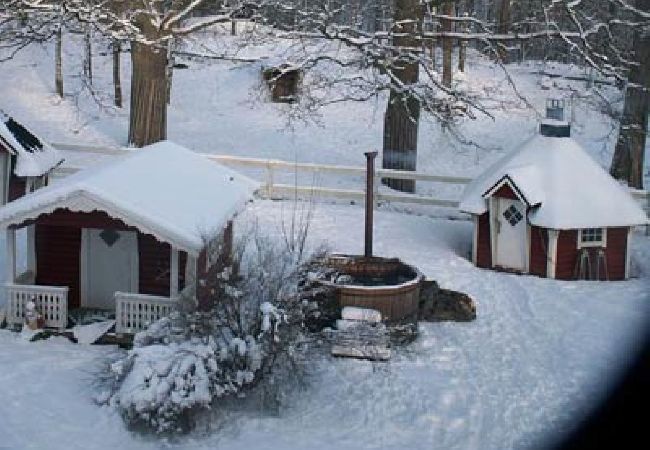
x: 370, y: 200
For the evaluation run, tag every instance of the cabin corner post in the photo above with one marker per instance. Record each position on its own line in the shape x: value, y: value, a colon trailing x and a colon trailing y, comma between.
x: 628, y: 249
x: 173, y: 273
x: 31, y: 250
x: 10, y: 260
x: 551, y: 257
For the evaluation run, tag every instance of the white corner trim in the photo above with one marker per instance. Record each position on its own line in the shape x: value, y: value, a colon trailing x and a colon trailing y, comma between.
x: 173, y: 272
x: 475, y: 220
x: 527, y: 249
x: 31, y: 249
x: 83, y: 267
x: 10, y: 259
x: 628, y: 248
x: 492, y: 215
x: 551, y: 260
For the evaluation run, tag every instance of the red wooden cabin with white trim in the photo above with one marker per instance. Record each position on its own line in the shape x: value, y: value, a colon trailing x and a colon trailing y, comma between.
x: 123, y: 237
x: 548, y: 209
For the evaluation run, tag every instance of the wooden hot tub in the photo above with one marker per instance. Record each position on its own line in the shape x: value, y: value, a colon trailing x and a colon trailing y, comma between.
x: 385, y: 284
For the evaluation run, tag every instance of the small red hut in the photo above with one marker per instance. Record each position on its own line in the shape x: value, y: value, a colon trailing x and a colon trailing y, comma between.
x: 25, y: 160
x: 123, y: 237
x: 548, y: 209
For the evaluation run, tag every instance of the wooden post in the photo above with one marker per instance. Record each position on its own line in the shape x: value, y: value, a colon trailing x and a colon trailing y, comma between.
x: 370, y: 203
x: 31, y: 250
x: 10, y: 262
x: 173, y: 273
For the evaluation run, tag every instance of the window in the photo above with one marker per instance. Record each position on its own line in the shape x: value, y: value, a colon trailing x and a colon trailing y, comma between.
x: 592, y: 237
x: 512, y: 215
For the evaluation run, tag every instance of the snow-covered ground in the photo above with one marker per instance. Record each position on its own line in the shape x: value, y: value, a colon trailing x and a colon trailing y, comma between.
x: 540, y: 352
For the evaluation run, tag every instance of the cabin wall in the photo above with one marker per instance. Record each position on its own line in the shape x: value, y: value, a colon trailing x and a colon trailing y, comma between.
x: 58, y: 250
x: 154, y: 261
x: 17, y: 186
x: 58, y: 253
x: 484, y: 248
x: 615, y: 254
x: 538, y: 251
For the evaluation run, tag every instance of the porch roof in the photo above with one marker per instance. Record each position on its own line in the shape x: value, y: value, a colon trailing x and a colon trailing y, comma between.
x: 164, y: 190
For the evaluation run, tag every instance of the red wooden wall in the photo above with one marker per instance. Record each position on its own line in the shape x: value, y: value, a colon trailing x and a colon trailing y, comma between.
x: 538, y: 251
x: 58, y: 252
x: 615, y: 254
x: 483, y: 250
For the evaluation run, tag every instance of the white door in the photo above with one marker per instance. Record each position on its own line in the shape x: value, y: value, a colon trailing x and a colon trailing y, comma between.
x: 109, y: 264
x: 510, y: 234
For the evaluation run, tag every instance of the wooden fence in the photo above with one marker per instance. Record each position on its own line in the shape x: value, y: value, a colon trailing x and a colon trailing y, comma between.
x: 273, y: 167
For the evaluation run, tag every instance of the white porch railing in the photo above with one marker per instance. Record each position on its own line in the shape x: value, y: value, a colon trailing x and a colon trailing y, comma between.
x: 51, y: 302
x: 134, y: 312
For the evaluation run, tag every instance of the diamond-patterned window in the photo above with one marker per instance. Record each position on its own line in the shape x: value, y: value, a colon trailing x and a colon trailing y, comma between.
x: 109, y: 236
x: 512, y: 215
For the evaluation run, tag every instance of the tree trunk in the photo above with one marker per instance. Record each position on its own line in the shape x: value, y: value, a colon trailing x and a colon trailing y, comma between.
x: 447, y: 45
x: 403, y: 111
x: 627, y: 162
x: 148, y: 116
x: 503, y: 27
x: 88, y: 58
x: 117, y: 78
x: 462, y: 47
x: 58, y: 63
x: 170, y: 69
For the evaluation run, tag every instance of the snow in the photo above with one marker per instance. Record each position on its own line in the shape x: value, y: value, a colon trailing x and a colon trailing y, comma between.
x: 88, y: 334
x: 571, y: 189
x: 540, y: 353
x: 29, y: 163
x: 163, y: 189
x: 361, y: 314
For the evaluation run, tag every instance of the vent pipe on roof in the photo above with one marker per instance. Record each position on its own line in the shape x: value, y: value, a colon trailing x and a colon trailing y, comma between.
x: 554, y: 125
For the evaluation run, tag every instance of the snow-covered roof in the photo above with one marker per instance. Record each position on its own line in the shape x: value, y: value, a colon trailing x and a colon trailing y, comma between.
x: 34, y: 157
x: 165, y: 190
x: 564, y: 186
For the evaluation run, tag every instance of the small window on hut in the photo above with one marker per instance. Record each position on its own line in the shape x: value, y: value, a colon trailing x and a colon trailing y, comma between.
x: 592, y: 237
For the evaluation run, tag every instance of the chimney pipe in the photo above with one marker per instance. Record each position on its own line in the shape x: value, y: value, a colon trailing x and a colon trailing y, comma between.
x: 370, y: 200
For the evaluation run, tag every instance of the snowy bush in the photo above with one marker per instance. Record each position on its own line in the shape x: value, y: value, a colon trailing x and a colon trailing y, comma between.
x: 185, y: 363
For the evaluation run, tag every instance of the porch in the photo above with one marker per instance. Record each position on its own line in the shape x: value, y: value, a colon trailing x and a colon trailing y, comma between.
x: 70, y: 267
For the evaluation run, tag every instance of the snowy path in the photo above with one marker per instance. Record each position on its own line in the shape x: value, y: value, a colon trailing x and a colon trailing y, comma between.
x: 539, y: 352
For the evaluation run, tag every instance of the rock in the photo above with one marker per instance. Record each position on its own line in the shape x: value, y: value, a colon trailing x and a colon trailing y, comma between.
x: 445, y: 305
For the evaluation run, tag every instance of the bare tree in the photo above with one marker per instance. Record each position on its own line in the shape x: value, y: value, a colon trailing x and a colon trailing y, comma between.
x: 628, y: 159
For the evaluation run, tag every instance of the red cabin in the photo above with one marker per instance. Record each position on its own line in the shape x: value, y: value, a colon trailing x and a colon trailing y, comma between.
x: 25, y: 160
x: 548, y: 209
x: 123, y: 238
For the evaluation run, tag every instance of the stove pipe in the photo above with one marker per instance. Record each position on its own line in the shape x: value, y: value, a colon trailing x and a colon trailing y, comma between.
x: 370, y: 200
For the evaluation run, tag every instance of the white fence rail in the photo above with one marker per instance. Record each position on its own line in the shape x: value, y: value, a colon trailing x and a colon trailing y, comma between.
x: 272, y: 167
x: 51, y: 302
x: 135, y: 312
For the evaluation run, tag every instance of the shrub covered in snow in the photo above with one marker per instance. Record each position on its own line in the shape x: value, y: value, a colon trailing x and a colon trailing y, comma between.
x: 185, y: 363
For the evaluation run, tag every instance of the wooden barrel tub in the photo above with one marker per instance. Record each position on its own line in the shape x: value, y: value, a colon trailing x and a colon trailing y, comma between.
x: 385, y: 284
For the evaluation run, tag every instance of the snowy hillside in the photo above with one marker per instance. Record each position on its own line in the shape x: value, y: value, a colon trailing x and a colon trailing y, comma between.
x: 219, y: 107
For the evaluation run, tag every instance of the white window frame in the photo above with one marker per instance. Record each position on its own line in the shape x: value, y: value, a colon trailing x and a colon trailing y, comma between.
x: 600, y: 243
